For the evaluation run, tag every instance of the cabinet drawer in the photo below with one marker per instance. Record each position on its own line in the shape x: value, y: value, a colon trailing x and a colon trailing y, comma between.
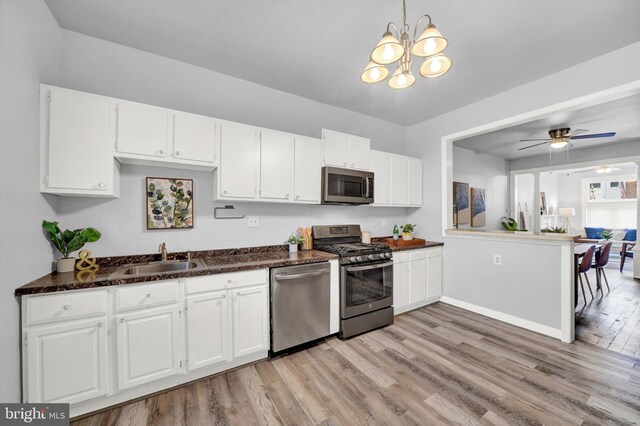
x: 400, y: 257
x: 222, y: 281
x: 147, y: 295
x: 434, y: 252
x: 417, y: 254
x: 67, y: 305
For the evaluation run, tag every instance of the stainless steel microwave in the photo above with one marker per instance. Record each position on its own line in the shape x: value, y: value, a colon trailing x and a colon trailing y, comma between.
x: 346, y: 186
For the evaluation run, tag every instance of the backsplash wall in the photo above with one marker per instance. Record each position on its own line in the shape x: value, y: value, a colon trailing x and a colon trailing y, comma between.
x: 122, y: 221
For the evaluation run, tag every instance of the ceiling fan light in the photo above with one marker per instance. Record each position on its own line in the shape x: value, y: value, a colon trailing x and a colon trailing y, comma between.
x: 374, y: 73
x: 435, y: 66
x: 401, y: 79
x: 388, y: 50
x: 429, y: 43
x: 604, y: 169
x: 557, y: 144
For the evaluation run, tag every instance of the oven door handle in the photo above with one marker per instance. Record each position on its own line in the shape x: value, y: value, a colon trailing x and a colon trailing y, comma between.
x: 282, y: 277
x: 368, y: 267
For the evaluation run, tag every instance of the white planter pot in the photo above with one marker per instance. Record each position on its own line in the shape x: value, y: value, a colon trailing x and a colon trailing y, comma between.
x: 407, y: 237
x: 293, y: 248
x: 66, y: 265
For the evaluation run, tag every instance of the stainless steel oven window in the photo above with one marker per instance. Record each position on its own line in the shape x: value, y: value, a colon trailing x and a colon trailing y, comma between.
x: 365, y: 288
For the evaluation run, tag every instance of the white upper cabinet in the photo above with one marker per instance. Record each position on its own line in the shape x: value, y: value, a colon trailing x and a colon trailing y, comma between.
x: 381, y: 168
x: 141, y: 129
x: 276, y: 165
x: 415, y: 182
x: 194, y: 138
x: 307, y: 170
x: 239, y: 162
x: 399, y: 180
x: 344, y: 150
x: 76, y: 157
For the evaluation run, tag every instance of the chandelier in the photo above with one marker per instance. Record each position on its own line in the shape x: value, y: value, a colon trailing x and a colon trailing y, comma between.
x: 429, y: 45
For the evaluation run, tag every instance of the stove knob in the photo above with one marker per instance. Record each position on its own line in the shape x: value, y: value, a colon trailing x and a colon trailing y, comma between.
x: 381, y: 256
x: 387, y: 255
x: 359, y: 258
x: 371, y: 257
x: 353, y: 259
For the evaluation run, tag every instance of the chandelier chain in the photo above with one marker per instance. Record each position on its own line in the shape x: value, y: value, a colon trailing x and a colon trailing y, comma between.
x: 404, y: 14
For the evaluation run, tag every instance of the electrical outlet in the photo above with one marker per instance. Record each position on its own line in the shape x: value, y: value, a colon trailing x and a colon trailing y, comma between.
x: 384, y: 221
x: 253, y: 221
x: 497, y: 259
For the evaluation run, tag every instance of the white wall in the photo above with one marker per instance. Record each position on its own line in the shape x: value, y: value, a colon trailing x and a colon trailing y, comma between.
x: 484, y: 171
x: 28, y: 56
x: 524, y: 185
x: 424, y: 141
x: 97, y: 66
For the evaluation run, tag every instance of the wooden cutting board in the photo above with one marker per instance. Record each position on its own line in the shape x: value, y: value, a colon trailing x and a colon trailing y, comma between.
x: 416, y: 242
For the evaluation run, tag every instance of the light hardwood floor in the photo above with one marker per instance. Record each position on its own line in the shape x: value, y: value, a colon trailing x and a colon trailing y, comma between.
x: 611, y: 320
x: 436, y: 365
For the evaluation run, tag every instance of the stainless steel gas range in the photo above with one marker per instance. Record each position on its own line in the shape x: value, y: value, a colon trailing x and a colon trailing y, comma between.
x: 366, y: 278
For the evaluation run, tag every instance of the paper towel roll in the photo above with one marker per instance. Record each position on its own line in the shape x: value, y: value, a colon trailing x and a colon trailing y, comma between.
x: 366, y: 237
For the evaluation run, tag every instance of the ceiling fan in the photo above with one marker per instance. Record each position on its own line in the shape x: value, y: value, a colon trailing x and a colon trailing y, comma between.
x: 559, y: 138
x: 604, y: 169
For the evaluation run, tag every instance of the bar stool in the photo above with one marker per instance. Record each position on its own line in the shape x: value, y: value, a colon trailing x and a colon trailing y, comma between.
x: 585, y: 265
x: 601, y: 261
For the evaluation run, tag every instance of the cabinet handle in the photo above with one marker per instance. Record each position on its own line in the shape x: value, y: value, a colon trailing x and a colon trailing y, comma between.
x: 122, y: 320
x: 160, y: 152
x: 176, y: 153
x: 66, y: 307
x: 229, y: 281
x: 99, y: 325
x: 224, y: 296
x: 352, y: 164
x: 224, y: 192
x: 148, y: 295
x: 102, y: 185
x: 345, y: 164
x: 297, y: 197
x: 287, y: 196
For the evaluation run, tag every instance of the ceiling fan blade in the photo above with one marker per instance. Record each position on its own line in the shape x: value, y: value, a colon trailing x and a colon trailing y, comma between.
x: 584, y: 171
x: 531, y: 146
x: 595, y: 135
x: 577, y: 132
x: 534, y: 140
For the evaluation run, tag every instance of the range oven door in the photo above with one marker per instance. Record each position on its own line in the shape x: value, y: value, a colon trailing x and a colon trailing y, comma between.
x: 365, y: 288
x: 345, y: 186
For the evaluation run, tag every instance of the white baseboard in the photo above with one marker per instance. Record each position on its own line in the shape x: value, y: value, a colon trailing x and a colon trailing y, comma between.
x: 501, y: 316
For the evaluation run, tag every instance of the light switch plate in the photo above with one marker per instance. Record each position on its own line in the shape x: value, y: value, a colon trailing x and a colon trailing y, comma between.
x: 497, y: 259
x: 253, y: 221
x: 384, y: 221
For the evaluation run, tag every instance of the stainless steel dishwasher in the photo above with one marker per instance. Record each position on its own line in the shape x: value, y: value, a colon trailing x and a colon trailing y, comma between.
x: 300, y: 297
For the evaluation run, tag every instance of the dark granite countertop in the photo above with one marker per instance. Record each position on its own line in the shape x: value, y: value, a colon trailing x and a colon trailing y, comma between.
x: 427, y: 244
x: 216, y: 262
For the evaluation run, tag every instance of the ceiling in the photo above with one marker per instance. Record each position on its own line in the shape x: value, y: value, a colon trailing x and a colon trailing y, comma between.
x: 318, y: 48
x: 620, y: 116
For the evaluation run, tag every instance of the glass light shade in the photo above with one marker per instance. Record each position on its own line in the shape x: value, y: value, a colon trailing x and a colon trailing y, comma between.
x: 431, y: 42
x: 401, y: 80
x: 373, y: 73
x: 559, y: 143
x: 388, y: 50
x: 435, y: 66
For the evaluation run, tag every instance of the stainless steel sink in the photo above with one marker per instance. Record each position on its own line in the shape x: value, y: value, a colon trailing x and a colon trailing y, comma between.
x: 158, y: 267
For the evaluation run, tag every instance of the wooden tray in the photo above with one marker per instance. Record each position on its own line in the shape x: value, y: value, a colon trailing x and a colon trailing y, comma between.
x: 416, y: 242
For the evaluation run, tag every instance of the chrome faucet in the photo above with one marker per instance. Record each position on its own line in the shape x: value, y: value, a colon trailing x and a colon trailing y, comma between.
x: 163, y: 252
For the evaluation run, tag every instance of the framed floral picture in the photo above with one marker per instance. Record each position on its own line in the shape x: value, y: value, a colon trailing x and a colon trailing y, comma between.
x: 169, y: 203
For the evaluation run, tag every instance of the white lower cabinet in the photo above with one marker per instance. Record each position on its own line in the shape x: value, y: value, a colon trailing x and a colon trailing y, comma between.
x: 250, y: 320
x: 208, y: 329
x: 66, y: 362
x: 417, y: 278
x: 147, y: 346
x: 99, y: 347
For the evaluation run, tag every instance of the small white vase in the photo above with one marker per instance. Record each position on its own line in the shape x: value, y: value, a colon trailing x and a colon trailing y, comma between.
x: 66, y: 265
x: 293, y: 248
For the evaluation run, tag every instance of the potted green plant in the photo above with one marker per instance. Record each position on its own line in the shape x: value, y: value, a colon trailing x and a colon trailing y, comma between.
x: 554, y: 230
x: 68, y: 241
x: 509, y: 223
x: 293, y: 242
x: 606, y: 234
x: 407, y: 232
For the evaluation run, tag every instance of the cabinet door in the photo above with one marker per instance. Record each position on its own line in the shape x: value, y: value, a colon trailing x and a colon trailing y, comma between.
x: 141, y: 130
x: 336, y: 148
x: 79, y: 154
x: 434, y: 276
x: 381, y: 168
x: 401, y: 284
x: 250, y: 321
x: 359, y: 152
x: 239, y: 156
x: 399, y: 180
x: 67, y: 363
x: 208, y: 326
x: 418, y: 281
x: 307, y: 169
x: 276, y: 165
x: 148, y: 344
x: 415, y: 182
x: 194, y: 137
